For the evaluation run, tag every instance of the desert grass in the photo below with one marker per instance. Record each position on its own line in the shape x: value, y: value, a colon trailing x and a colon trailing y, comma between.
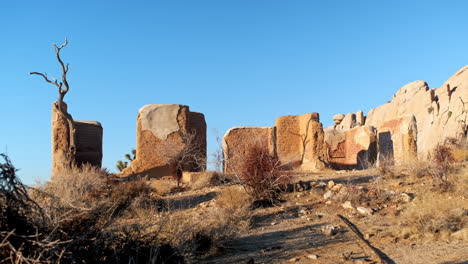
x: 434, y: 216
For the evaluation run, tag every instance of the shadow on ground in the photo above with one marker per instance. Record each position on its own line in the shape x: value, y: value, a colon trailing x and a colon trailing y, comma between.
x: 270, y: 247
x: 187, y: 202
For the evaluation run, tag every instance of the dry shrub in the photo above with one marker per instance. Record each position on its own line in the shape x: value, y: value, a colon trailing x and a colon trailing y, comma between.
x: 419, y: 169
x: 386, y: 167
x: 443, y: 159
x: 204, y: 179
x: 433, y: 215
x: 262, y: 172
x: 197, y: 231
x: 130, y: 190
x: 77, y: 186
x: 163, y: 186
x: 84, y: 221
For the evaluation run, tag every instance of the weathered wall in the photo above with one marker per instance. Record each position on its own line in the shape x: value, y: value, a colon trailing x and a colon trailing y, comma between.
x: 300, y: 141
x: 238, y: 140
x: 88, y: 142
x: 164, y: 132
x: 355, y: 148
x: 397, y: 140
x: 61, y: 138
x: 74, y: 142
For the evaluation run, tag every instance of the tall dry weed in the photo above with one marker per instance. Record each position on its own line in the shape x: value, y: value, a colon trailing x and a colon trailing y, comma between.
x: 434, y: 216
x: 262, y: 172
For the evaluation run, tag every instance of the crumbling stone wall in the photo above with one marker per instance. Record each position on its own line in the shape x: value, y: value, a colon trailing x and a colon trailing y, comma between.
x: 300, y: 141
x: 397, y: 140
x: 238, y: 140
x: 165, y: 133
x: 74, y: 142
x: 355, y: 148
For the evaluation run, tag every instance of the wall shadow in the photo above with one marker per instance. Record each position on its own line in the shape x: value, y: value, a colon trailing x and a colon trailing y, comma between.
x: 386, y: 150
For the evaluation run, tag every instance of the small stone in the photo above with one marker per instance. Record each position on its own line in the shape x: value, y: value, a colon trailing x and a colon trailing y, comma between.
x: 460, y: 234
x: 312, y: 256
x: 364, y: 210
x: 329, y: 230
x: 295, y: 259
x: 273, y: 223
x: 330, y: 184
x: 321, y: 185
x: 347, y: 205
x: 328, y: 202
x: 406, y: 198
x: 328, y: 195
x: 337, y: 187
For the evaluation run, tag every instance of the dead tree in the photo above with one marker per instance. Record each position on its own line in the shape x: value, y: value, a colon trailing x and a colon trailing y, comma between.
x: 63, y: 88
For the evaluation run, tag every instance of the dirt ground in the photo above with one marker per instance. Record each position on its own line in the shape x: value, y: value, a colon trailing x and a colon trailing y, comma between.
x: 291, y: 231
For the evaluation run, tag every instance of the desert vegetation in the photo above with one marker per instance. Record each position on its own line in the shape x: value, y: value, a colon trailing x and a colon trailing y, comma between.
x: 87, y: 215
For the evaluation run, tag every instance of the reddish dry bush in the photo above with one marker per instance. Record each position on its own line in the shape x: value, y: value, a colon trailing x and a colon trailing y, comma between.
x: 261, y: 171
x: 443, y: 159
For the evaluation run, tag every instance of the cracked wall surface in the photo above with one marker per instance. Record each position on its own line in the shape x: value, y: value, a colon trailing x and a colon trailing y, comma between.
x: 164, y: 133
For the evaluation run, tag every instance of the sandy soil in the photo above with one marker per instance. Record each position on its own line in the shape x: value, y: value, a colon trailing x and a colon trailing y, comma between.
x: 291, y: 232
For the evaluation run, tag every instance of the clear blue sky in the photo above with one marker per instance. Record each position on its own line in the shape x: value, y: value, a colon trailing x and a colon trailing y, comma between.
x: 240, y: 62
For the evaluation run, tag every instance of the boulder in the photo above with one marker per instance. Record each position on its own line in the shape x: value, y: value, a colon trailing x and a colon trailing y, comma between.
x: 351, y: 149
x: 348, y: 122
x: 238, y: 140
x: 300, y: 142
x: 170, y: 140
x: 338, y: 118
x: 360, y: 118
x: 441, y: 114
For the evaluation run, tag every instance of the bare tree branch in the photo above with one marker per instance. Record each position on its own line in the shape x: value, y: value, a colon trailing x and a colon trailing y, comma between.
x: 62, y: 91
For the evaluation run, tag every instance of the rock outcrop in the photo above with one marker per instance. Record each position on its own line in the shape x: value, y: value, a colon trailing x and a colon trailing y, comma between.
x: 238, y: 140
x: 348, y: 122
x: 170, y: 140
x: 441, y: 114
x: 300, y: 142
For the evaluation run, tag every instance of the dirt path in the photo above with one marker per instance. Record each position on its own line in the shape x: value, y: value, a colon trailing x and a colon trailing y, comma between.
x: 291, y: 232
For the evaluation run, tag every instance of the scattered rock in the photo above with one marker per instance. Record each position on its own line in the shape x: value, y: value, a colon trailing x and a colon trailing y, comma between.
x: 329, y: 230
x: 367, y: 236
x: 328, y: 195
x: 321, y: 185
x: 337, y: 187
x: 312, y: 256
x: 330, y: 184
x: 460, y: 234
x: 347, y: 205
x: 364, y: 210
x: 406, y: 198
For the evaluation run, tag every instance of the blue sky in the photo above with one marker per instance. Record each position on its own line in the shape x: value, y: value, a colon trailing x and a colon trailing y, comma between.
x: 240, y: 62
